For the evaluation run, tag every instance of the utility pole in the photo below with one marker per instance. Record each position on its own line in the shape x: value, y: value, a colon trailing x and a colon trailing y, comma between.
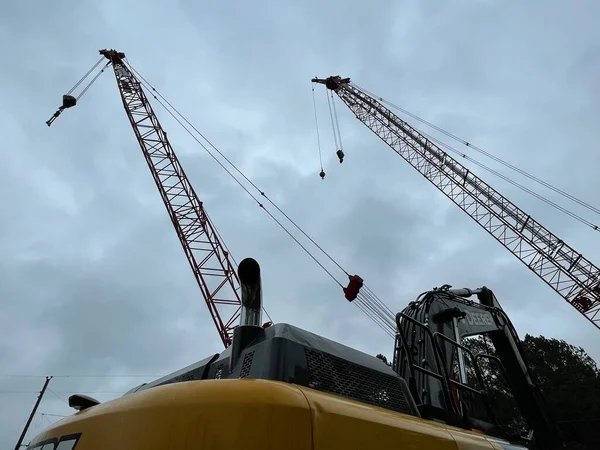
x: 35, y: 407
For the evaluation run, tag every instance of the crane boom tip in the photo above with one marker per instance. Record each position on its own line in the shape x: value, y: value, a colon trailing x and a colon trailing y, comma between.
x: 334, y: 82
x: 112, y: 54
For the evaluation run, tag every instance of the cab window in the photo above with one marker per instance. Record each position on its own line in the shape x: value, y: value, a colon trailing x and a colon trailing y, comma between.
x: 66, y: 442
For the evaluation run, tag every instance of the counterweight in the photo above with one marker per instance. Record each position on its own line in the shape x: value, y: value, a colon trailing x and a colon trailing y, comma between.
x: 208, y: 258
x: 564, y: 269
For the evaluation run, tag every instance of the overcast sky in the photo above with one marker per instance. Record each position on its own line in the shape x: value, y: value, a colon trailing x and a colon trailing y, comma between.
x: 93, y: 280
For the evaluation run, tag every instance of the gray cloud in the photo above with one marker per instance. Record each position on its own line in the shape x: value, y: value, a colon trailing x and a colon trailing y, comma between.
x: 93, y: 279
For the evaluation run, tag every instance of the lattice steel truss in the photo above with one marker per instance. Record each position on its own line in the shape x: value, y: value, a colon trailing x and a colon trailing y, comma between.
x: 564, y: 269
x: 208, y: 258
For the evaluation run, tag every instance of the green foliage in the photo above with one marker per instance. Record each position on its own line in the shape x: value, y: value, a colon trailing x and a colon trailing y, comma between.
x: 567, y: 375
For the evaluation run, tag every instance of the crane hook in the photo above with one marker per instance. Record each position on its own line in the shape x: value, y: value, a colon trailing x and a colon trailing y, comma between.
x: 354, y: 284
x: 68, y: 102
x: 322, y: 174
x: 340, y: 155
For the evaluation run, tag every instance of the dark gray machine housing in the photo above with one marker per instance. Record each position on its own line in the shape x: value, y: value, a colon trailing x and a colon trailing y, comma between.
x: 287, y: 353
x: 429, y: 331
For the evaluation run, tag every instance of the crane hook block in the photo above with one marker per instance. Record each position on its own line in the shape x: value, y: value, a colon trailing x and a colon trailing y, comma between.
x: 351, y: 291
x: 68, y: 101
x: 322, y: 174
x: 340, y: 155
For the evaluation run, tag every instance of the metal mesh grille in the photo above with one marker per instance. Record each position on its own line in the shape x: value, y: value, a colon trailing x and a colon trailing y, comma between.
x: 337, y: 376
x: 246, y: 364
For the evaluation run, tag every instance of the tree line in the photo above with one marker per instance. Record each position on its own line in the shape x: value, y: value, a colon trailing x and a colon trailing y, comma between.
x: 569, y: 379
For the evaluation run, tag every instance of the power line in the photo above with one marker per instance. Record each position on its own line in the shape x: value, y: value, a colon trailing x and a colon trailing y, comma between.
x: 57, y: 396
x: 33, y: 411
x: 47, y: 420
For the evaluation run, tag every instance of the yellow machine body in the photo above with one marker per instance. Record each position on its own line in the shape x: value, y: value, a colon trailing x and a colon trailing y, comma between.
x: 249, y: 414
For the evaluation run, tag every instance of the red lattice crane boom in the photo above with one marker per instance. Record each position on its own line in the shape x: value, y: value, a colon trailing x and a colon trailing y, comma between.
x: 208, y: 258
x: 564, y: 269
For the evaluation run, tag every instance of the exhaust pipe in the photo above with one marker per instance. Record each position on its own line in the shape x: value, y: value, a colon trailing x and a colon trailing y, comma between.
x: 249, y: 274
x: 250, y: 330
